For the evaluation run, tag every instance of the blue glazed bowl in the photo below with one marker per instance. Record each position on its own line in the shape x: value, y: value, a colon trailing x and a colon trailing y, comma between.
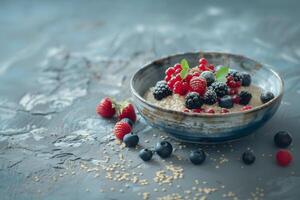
x: 207, y: 128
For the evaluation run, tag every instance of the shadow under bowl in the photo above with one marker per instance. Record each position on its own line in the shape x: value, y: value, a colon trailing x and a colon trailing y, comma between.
x: 207, y: 128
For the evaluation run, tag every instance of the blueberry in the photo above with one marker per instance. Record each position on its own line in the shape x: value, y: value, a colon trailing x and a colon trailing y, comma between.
x: 226, y: 102
x: 164, y: 149
x: 248, y: 157
x: 146, y: 154
x: 246, y: 79
x: 197, y: 157
x: 266, y: 96
x: 131, y: 140
x: 128, y: 121
x: 208, y: 76
x: 282, y: 139
x: 245, y: 97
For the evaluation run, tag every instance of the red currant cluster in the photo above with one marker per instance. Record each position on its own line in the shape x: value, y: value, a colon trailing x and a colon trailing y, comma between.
x: 192, y: 82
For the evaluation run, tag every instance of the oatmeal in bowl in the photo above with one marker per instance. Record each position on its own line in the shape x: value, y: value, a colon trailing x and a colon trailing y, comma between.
x: 206, y: 97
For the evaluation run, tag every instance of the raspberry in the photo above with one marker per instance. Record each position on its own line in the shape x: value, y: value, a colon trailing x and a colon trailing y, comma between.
x: 193, y: 100
x: 283, y: 157
x: 220, y: 88
x: 210, y: 97
x: 161, y: 90
x: 177, y: 66
x: 126, y: 110
x: 246, y: 108
x: 106, y: 108
x: 245, y: 97
x: 170, y: 71
x: 198, y: 84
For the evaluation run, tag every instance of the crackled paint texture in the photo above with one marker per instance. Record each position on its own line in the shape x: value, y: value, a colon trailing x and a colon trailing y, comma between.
x: 59, y: 58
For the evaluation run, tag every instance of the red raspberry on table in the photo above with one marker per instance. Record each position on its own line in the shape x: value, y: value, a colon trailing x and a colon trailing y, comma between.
x: 246, y: 108
x: 284, y: 157
x: 170, y: 71
x: 126, y: 110
x: 198, y: 85
x: 121, y: 129
x: 106, y: 108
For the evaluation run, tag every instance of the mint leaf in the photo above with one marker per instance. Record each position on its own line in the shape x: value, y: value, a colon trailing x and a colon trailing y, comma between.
x: 222, y: 73
x: 185, y: 68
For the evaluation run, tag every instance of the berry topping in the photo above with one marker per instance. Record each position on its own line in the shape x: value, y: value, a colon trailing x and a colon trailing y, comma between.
x: 245, y: 97
x: 233, y: 91
x: 248, y: 157
x: 236, y: 99
x: 121, y: 129
x: 198, y: 84
x: 180, y: 88
x: 210, y: 97
x: 197, y: 157
x: 170, y: 71
x: 282, y: 139
x: 126, y: 110
x: 167, y: 78
x: 203, y: 61
x: 235, y: 75
x: 196, y: 74
x: 193, y: 100
x: 246, y: 108
x: 127, y: 120
x: 146, y: 154
x: 210, y: 110
x: 220, y: 88
x: 164, y: 149
x: 161, y: 90
x: 106, y: 108
x: 198, y: 110
x: 208, y: 76
x: 246, y: 79
x: 283, y: 157
x: 131, y: 140
x: 177, y: 66
x: 224, y: 110
x: 226, y: 102
x: 266, y: 96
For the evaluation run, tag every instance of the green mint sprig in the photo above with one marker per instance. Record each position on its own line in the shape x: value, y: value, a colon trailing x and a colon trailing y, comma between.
x: 222, y: 73
x: 185, y: 68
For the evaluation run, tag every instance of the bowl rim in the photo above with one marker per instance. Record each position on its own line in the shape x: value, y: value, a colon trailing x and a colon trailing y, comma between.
x: 208, y: 115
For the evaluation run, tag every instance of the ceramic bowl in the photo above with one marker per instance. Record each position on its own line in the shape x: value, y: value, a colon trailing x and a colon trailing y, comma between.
x: 207, y: 128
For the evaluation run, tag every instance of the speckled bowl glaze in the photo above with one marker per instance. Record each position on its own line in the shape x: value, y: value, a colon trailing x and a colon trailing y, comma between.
x: 207, y: 128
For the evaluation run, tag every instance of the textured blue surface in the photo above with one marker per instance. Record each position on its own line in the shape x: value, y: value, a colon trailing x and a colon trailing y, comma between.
x: 59, y: 58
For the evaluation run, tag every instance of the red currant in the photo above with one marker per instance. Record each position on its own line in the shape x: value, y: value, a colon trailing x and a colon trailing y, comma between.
x: 177, y: 71
x: 170, y: 71
x: 177, y: 66
x: 283, y: 157
x: 236, y: 99
x: 233, y: 91
x: 198, y: 110
x: 186, y: 110
x: 229, y: 78
x: 202, y: 67
x: 238, y: 84
x: 178, y: 77
x: 224, y: 110
x: 171, y: 83
x: 188, y: 77
x: 210, y: 110
x: 211, y: 67
x: 178, y: 89
x: 231, y: 84
x: 246, y: 108
x: 167, y: 78
x: 196, y: 74
x: 203, y: 61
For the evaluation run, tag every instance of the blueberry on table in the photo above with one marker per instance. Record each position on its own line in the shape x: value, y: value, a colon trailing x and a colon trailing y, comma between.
x: 246, y: 79
x: 164, y: 149
x: 128, y: 121
x: 282, y: 139
x: 226, y: 102
x: 248, y: 157
x: 197, y: 157
x: 266, y: 96
x: 146, y: 154
x: 131, y: 140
